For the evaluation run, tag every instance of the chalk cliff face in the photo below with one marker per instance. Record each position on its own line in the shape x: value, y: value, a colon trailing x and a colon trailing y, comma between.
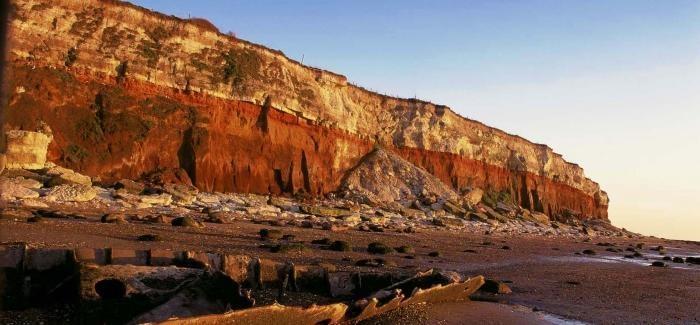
x: 132, y: 93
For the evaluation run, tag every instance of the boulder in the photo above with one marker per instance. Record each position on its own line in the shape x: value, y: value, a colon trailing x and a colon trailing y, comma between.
x: 60, y: 176
x: 474, y: 196
x: 326, y: 211
x: 130, y: 186
x: 492, y: 214
x: 540, y: 217
x: 181, y: 193
x: 26, y: 150
x: 447, y: 222
x: 71, y: 193
x: 18, y: 188
x: 454, y: 208
x: 284, y: 204
x: 186, y: 222
x: 207, y: 198
x: 157, y: 199
x: 476, y: 216
x: 495, y: 286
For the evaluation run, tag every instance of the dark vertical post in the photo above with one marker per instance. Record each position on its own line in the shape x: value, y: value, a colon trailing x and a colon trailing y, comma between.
x: 4, y: 40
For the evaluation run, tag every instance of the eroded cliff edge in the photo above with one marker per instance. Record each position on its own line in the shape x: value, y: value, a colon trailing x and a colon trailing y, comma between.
x: 132, y: 93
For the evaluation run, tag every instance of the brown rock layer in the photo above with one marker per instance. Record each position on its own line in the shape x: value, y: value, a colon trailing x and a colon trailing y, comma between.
x: 131, y: 93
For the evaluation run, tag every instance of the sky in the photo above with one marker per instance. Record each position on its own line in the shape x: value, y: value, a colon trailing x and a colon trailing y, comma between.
x: 613, y: 85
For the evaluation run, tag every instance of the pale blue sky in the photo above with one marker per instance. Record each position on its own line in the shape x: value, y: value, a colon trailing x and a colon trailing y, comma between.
x: 613, y: 85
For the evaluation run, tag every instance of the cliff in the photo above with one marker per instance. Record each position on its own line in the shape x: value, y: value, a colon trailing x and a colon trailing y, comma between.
x: 133, y: 93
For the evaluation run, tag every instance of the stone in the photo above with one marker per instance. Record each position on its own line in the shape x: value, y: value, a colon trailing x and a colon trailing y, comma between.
x: 492, y: 214
x: 405, y: 249
x: 476, y: 216
x: 207, y: 198
x: 284, y: 204
x: 181, y: 193
x: 130, y: 186
x: 270, y: 234
x: 157, y: 199
x: 434, y: 254
x: 589, y: 252
x: 186, y: 221
x: 71, y: 193
x: 540, y: 217
x: 413, y: 213
x: 495, y: 286
x: 18, y: 188
x: 61, y: 176
x: 340, y: 246
x: 474, y: 196
x: 114, y: 218
x: 326, y: 211
x: 448, y: 222
x: 379, y: 248
x: 454, y: 209
x: 221, y: 217
x: 26, y: 149
x: 658, y: 264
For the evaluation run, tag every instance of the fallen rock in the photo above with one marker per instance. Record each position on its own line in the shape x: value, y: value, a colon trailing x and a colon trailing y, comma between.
x: 71, y: 193
x: 454, y: 209
x: 26, y: 149
x: 114, y: 218
x: 284, y: 204
x: 476, y: 216
x: 326, y: 211
x: 157, y: 199
x: 18, y: 188
x: 474, y: 196
x: 186, y: 221
x: 384, y: 177
x: 61, y: 176
x: 379, y: 248
x: 270, y: 233
x: 340, y: 246
x: 448, y: 222
x: 181, y: 193
x: 495, y: 286
x: 130, y: 186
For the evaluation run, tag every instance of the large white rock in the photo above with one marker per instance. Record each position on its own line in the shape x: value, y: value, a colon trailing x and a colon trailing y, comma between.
x: 26, y: 149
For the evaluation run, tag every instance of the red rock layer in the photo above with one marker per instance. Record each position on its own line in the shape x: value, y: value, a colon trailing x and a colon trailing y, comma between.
x: 135, y: 129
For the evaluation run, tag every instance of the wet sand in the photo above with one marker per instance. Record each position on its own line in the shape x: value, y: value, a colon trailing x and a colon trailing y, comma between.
x: 544, y: 273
